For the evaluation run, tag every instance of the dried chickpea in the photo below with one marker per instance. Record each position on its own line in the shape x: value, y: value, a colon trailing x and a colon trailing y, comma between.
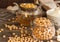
x: 43, y: 29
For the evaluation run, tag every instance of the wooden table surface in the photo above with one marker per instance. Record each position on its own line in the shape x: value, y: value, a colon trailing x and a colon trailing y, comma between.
x: 4, y: 16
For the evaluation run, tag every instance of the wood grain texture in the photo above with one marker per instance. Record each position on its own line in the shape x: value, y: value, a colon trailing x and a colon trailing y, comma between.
x: 5, y: 3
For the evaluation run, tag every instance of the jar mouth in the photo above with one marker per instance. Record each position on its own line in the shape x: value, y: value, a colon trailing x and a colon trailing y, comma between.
x: 28, y: 6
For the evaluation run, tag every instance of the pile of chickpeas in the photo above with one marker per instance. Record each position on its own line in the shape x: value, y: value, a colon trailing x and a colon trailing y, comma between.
x: 22, y: 39
x: 28, y: 5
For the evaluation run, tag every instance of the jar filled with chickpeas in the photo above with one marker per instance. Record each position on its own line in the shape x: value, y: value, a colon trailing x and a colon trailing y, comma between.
x: 27, y: 13
x: 43, y: 29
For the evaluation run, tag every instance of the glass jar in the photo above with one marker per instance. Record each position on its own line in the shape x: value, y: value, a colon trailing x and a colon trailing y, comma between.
x: 25, y: 17
x: 43, y: 29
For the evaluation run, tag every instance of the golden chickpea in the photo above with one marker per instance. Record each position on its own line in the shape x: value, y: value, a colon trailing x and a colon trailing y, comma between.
x: 4, y: 36
x: 2, y: 29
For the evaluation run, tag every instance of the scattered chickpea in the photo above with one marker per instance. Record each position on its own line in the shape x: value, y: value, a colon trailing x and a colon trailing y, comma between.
x: 13, y: 33
x: 6, y: 25
x: 2, y: 29
x: 4, y: 36
x: 51, y: 40
x: 13, y: 18
x: 48, y: 41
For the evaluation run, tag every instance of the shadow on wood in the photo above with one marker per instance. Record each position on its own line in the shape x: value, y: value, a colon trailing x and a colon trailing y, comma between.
x: 5, y: 3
